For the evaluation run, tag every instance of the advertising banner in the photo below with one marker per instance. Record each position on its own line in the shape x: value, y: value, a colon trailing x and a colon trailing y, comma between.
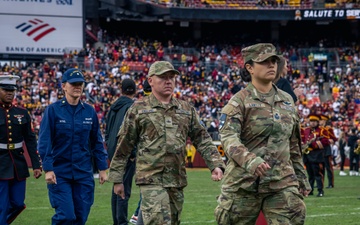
x: 327, y: 14
x: 42, y: 7
x: 260, y: 14
x: 40, y: 35
x: 41, y: 27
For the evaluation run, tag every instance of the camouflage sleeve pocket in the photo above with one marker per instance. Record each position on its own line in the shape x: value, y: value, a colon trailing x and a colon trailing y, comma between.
x: 222, y: 211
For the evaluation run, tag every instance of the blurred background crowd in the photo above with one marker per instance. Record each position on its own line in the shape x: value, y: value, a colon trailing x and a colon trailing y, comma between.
x: 208, y: 79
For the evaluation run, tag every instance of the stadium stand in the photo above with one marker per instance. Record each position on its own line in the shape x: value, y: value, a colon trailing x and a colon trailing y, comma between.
x: 254, y: 4
x: 210, y: 72
x: 207, y: 80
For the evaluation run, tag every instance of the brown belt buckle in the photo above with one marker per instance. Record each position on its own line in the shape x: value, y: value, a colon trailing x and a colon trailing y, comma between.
x: 11, y: 146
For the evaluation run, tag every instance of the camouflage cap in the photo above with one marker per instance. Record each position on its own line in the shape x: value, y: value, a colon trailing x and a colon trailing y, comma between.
x: 259, y: 52
x: 160, y: 67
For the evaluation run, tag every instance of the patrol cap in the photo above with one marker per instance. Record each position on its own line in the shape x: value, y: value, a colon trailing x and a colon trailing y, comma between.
x: 72, y: 75
x: 259, y: 52
x: 160, y: 67
x: 8, y: 82
x: 314, y: 117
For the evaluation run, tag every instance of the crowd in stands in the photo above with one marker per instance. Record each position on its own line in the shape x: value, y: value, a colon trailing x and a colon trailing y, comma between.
x: 208, y: 79
x: 255, y: 4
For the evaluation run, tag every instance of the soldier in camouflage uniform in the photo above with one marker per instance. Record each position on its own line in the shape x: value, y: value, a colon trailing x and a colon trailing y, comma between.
x: 260, y: 133
x: 159, y: 126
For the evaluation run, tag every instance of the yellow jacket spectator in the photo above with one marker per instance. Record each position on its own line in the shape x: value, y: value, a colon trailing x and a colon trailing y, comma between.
x: 190, y: 153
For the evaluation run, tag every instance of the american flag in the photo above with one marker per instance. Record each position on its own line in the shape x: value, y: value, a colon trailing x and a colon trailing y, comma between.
x: 64, y: 2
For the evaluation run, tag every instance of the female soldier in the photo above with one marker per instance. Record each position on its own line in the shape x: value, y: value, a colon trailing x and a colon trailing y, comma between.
x: 260, y: 133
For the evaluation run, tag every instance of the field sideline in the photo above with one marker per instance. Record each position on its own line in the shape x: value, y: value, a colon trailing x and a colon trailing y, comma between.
x: 339, y: 206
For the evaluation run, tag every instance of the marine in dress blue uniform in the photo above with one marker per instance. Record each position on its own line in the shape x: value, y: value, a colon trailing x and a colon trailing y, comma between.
x: 15, y: 128
x: 68, y: 139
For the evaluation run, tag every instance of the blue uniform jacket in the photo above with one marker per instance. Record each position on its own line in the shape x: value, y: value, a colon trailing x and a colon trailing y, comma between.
x: 68, y: 140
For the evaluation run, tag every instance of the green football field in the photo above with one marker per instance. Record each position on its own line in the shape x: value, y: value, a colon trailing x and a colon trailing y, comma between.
x: 339, y: 206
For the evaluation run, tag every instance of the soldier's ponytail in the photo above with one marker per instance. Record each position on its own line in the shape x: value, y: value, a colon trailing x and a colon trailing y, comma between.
x: 244, y: 73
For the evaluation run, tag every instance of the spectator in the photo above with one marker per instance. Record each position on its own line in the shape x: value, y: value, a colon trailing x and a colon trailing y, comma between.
x: 190, y: 151
x: 354, y: 158
x: 281, y: 82
x: 114, y: 120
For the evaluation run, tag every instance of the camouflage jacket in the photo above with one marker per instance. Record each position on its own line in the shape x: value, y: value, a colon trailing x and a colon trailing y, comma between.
x: 253, y: 131
x: 160, y: 133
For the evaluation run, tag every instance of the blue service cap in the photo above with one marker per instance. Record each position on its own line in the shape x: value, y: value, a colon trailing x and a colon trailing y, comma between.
x: 72, y: 75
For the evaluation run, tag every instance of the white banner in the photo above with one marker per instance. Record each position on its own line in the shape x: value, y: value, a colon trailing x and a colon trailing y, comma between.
x: 42, y: 7
x: 39, y: 34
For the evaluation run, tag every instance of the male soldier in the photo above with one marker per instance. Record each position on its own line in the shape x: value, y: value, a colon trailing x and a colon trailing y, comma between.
x: 15, y: 128
x: 328, y: 158
x: 159, y: 126
x: 316, y: 140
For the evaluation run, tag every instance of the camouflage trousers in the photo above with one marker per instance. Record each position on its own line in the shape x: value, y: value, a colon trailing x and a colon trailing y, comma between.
x: 280, y: 208
x: 161, y: 206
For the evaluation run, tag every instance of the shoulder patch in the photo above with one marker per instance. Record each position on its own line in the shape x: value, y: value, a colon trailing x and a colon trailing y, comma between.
x: 203, y: 124
x: 222, y: 120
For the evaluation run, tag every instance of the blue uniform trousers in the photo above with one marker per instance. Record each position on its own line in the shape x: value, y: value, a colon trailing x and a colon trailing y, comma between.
x: 11, y: 199
x: 72, y: 200
x: 119, y: 206
x: 136, y: 213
